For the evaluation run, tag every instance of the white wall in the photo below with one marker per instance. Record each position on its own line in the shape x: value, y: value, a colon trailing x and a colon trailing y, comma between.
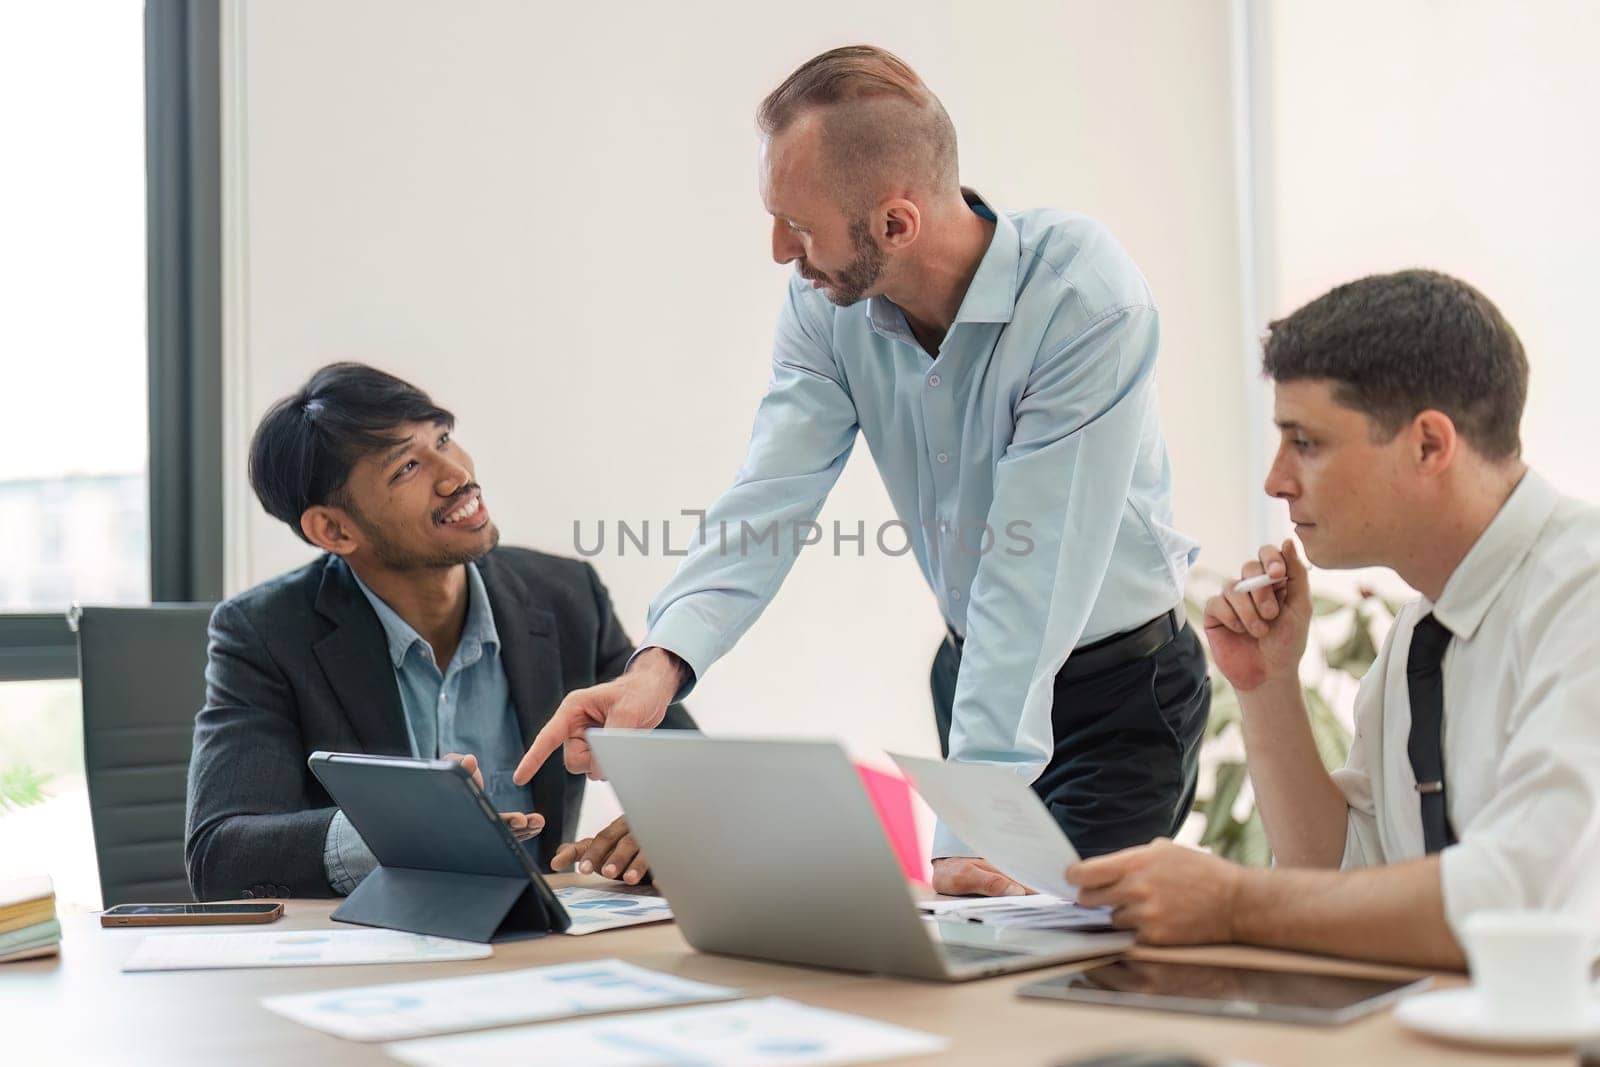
x: 547, y: 216
x: 1458, y: 136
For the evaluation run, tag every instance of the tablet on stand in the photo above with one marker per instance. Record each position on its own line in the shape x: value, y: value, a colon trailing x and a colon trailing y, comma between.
x: 447, y: 864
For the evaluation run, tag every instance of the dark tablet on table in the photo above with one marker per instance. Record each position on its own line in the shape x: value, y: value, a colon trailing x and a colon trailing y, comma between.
x: 426, y: 821
x: 1238, y: 992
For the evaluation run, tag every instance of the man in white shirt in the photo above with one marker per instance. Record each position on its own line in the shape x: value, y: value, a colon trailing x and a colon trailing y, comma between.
x: 1472, y: 783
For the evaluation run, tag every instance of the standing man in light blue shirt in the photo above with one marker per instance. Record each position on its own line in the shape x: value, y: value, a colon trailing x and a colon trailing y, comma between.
x: 1002, y: 370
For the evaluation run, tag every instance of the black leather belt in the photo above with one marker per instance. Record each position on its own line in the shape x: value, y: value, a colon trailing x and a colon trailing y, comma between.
x: 1117, y: 649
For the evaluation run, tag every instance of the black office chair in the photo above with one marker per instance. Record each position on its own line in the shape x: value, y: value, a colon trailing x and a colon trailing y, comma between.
x: 143, y: 673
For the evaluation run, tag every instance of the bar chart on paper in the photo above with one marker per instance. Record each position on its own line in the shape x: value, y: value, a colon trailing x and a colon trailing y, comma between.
x: 593, y: 910
x: 749, y: 1033
x: 295, y: 948
x: 444, y: 1005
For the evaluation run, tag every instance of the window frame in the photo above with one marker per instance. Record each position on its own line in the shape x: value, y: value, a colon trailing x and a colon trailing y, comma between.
x: 183, y: 225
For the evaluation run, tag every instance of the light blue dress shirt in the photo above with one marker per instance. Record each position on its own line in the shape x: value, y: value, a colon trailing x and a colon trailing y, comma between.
x: 1024, y: 460
x: 465, y: 709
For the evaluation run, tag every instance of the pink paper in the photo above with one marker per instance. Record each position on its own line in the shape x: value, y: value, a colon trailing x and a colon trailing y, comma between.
x: 891, y: 797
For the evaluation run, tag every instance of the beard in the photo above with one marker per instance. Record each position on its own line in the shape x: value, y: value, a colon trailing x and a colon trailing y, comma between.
x: 852, y: 281
x: 397, y: 557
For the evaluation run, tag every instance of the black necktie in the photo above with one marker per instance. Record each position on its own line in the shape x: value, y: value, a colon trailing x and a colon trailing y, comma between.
x: 1425, y: 682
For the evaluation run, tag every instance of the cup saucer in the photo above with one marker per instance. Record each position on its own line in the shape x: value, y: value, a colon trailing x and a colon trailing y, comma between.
x: 1461, y: 1015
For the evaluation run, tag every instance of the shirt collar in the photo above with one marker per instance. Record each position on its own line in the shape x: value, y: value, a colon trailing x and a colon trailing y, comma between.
x: 1472, y: 587
x: 992, y: 294
x: 477, y: 633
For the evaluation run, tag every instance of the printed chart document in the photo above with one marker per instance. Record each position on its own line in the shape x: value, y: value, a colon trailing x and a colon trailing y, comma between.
x: 295, y: 948
x: 1037, y: 911
x: 1000, y: 817
x: 747, y: 1033
x: 444, y: 1005
x: 595, y: 909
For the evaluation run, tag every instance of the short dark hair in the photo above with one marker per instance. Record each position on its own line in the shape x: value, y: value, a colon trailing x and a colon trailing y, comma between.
x: 1398, y: 344
x: 307, y: 443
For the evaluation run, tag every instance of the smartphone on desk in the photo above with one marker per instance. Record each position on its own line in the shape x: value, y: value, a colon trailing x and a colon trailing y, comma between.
x: 226, y: 914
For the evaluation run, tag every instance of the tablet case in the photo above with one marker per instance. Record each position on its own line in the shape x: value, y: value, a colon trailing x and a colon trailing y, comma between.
x: 466, y: 907
x: 447, y: 865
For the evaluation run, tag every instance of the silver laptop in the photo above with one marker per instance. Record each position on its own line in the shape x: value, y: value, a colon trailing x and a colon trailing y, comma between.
x: 771, y: 850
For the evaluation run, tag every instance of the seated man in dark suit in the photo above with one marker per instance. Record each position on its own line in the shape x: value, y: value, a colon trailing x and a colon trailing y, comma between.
x: 413, y: 635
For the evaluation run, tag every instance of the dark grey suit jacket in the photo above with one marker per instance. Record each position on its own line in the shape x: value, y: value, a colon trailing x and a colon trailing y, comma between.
x: 301, y: 663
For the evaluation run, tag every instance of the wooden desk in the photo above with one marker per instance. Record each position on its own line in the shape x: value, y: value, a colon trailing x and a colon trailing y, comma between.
x: 80, y: 1007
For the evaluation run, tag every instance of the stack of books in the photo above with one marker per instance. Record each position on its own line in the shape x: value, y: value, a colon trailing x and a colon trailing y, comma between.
x: 28, y: 924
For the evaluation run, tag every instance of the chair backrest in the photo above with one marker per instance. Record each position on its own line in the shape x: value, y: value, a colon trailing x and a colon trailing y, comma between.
x: 143, y: 673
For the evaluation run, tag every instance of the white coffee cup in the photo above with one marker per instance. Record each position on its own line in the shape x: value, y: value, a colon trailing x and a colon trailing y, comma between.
x: 1531, y: 968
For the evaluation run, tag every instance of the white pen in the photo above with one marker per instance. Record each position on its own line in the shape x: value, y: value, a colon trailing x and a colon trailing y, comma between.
x: 1250, y: 585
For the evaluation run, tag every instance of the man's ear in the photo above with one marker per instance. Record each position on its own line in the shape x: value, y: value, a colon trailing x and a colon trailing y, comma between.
x: 1434, y: 442
x: 901, y: 223
x: 330, y: 529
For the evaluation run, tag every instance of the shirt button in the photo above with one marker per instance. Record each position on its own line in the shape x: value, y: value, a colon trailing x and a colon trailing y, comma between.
x: 943, y: 457
x: 443, y: 697
x: 934, y: 380
x: 955, y: 594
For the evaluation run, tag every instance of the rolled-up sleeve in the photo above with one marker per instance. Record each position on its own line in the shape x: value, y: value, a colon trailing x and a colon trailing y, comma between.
x: 345, y: 856
x: 1537, y: 842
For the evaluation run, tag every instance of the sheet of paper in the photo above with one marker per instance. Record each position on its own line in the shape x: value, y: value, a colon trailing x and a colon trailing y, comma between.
x: 1000, y: 818
x: 1034, y: 912
x: 976, y: 905
x: 748, y: 1033
x: 445, y: 1005
x: 1068, y: 918
x: 295, y: 948
x: 891, y: 799
x: 596, y: 909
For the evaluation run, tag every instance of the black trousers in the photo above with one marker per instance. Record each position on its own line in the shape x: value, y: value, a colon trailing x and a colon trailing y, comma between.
x: 1127, y: 743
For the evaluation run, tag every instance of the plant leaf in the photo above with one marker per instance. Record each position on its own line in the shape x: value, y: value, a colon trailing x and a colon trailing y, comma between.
x: 1357, y: 651
x: 21, y: 786
x: 1225, y: 712
x: 1332, y: 739
x: 1219, y: 808
x: 1252, y: 849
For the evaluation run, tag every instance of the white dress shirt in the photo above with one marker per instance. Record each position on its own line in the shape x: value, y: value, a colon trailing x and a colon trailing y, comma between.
x: 1521, y: 719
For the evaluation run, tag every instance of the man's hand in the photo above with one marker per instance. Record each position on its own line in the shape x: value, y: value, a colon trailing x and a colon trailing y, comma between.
x: 524, y: 825
x: 1169, y: 894
x: 963, y: 876
x: 637, y: 700
x: 1260, y: 636
x: 613, y: 852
